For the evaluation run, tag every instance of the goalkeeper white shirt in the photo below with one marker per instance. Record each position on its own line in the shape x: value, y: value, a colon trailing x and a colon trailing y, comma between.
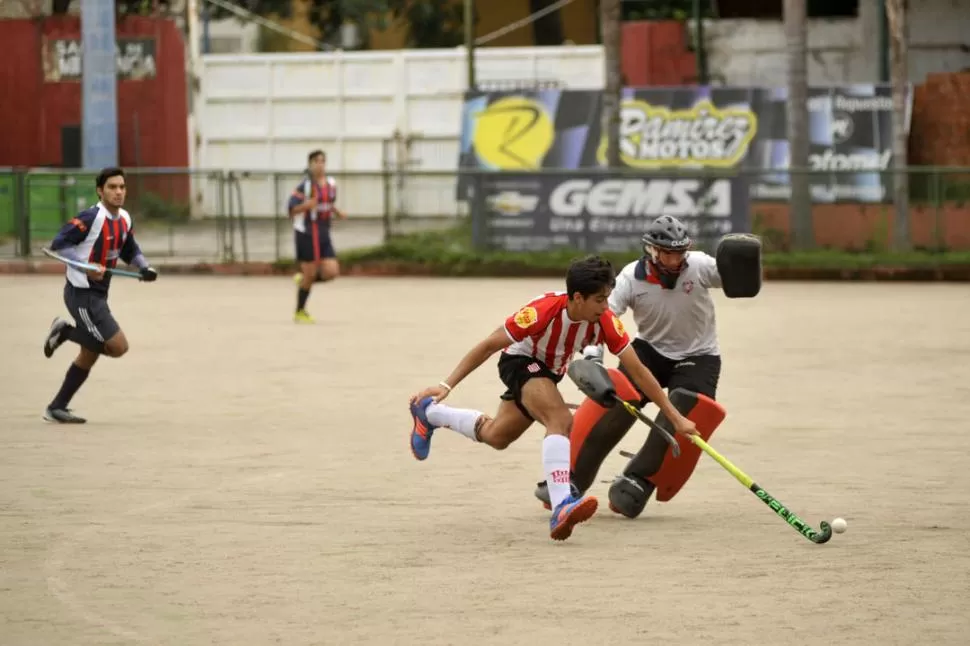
x: 678, y: 322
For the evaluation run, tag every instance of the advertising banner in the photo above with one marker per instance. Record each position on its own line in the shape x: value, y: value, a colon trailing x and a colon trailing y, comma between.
x: 523, y: 211
x: 742, y: 128
x: 63, y: 59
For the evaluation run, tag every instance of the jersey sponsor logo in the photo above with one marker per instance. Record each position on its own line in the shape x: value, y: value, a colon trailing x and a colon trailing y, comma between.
x: 656, y: 136
x: 526, y: 317
x: 638, y: 197
x: 618, y: 326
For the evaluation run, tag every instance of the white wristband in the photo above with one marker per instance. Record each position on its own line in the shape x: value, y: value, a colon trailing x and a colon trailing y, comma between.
x: 445, y: 386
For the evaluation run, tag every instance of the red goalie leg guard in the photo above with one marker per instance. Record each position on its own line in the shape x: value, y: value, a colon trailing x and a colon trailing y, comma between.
x: 589, y: 413
x: 707, y: 415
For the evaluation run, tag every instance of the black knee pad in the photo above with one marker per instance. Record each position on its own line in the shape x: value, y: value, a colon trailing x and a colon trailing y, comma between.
x: 629, y: 495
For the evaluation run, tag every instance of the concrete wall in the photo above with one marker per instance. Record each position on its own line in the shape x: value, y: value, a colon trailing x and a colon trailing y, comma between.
x: 752, y: 52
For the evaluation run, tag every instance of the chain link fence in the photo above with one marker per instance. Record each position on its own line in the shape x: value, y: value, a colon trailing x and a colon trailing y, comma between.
x: 240, y: 215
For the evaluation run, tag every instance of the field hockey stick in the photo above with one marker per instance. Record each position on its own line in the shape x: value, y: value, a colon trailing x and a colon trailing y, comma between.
x: 783, y: 512
x: 786, y: 514
x: 87, y: 266
x: 633, y: 410
x: 594, y: 381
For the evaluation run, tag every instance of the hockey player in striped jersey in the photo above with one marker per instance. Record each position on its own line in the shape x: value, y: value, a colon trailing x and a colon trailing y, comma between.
x: 537, y: 343
x: 670, y: 293
x: 101, y: 235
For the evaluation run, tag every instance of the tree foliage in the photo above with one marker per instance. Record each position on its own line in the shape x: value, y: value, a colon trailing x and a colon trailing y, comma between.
x: 430, y: 23
x: 664, y: 9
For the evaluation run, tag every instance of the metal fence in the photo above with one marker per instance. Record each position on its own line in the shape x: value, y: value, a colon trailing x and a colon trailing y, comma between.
x: 228, y: 216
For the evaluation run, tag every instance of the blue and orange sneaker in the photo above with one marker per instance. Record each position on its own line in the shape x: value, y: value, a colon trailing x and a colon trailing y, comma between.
x: 570, y: 512
x: 422, y: 430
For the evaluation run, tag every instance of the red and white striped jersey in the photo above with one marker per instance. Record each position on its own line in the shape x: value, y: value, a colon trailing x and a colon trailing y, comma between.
x: 543, y: 330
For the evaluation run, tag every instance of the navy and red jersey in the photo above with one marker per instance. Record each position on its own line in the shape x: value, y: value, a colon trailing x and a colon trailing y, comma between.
x: 96, y: 236
x: 319, y: 217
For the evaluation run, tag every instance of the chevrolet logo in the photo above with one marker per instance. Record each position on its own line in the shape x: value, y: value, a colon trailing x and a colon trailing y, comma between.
x: 512, y: 203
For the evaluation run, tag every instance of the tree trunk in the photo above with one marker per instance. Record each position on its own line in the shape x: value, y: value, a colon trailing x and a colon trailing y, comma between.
x: 899, y: 48
x: 800, y: 204
x: 610, y: 27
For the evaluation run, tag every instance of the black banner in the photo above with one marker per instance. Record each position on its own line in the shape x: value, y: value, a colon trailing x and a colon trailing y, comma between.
x: 597, y: 212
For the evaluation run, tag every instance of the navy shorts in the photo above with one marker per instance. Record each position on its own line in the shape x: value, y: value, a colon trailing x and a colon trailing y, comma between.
x: 311, y: 247
x: 91, y: 313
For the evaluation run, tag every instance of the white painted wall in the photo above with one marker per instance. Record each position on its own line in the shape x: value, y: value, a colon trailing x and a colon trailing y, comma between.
x: 267, y: 111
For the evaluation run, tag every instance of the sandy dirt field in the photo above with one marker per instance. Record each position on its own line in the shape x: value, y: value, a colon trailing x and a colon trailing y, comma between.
x: 243, y: 480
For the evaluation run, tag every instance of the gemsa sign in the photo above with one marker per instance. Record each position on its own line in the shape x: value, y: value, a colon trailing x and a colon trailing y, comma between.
x: 527, y: 211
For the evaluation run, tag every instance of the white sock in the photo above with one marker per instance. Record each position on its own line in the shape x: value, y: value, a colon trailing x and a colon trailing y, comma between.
x: 555, y: 461
x: 461, y: 420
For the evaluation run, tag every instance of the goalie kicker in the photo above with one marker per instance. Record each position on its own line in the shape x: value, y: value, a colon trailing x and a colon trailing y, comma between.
x: 669, y: 292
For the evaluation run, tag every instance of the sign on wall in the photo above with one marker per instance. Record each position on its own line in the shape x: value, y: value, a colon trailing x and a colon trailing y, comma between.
x: 597, y: 212
x: 743, y: 128
x: 63, y: 60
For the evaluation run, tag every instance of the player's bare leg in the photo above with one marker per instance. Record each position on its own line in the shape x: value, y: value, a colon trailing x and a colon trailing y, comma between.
x: 308, y: 273
x: 329, y: 269
x: 116, y: 346
x: 86, y: 359
x: 499, y: 432
x: 543, y: 400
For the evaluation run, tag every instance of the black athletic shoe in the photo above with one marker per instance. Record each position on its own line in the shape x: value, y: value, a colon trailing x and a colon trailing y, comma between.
x: 54, y: 338
x: 62, y: 416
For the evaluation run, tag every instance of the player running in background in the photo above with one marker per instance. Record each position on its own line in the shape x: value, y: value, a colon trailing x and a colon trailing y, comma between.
x: 538, y: 342
x: 311, y: 208
x: 101, y: 234
x: 668, y: 290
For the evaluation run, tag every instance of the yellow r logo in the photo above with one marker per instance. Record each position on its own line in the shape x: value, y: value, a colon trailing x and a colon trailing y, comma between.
x: 514, y: 133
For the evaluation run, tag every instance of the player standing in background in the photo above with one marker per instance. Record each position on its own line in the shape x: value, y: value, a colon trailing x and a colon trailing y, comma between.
x: 101, y: 234
x: 311, y: 208
x: 668, y: 290
x: 538, y: 342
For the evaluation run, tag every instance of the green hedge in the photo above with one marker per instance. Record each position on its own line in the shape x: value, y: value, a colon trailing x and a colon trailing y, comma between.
x: 450, y: 252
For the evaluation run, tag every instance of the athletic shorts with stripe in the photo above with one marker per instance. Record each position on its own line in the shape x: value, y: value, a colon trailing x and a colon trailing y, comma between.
x: 91, y: 313
x: 311, y: 247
